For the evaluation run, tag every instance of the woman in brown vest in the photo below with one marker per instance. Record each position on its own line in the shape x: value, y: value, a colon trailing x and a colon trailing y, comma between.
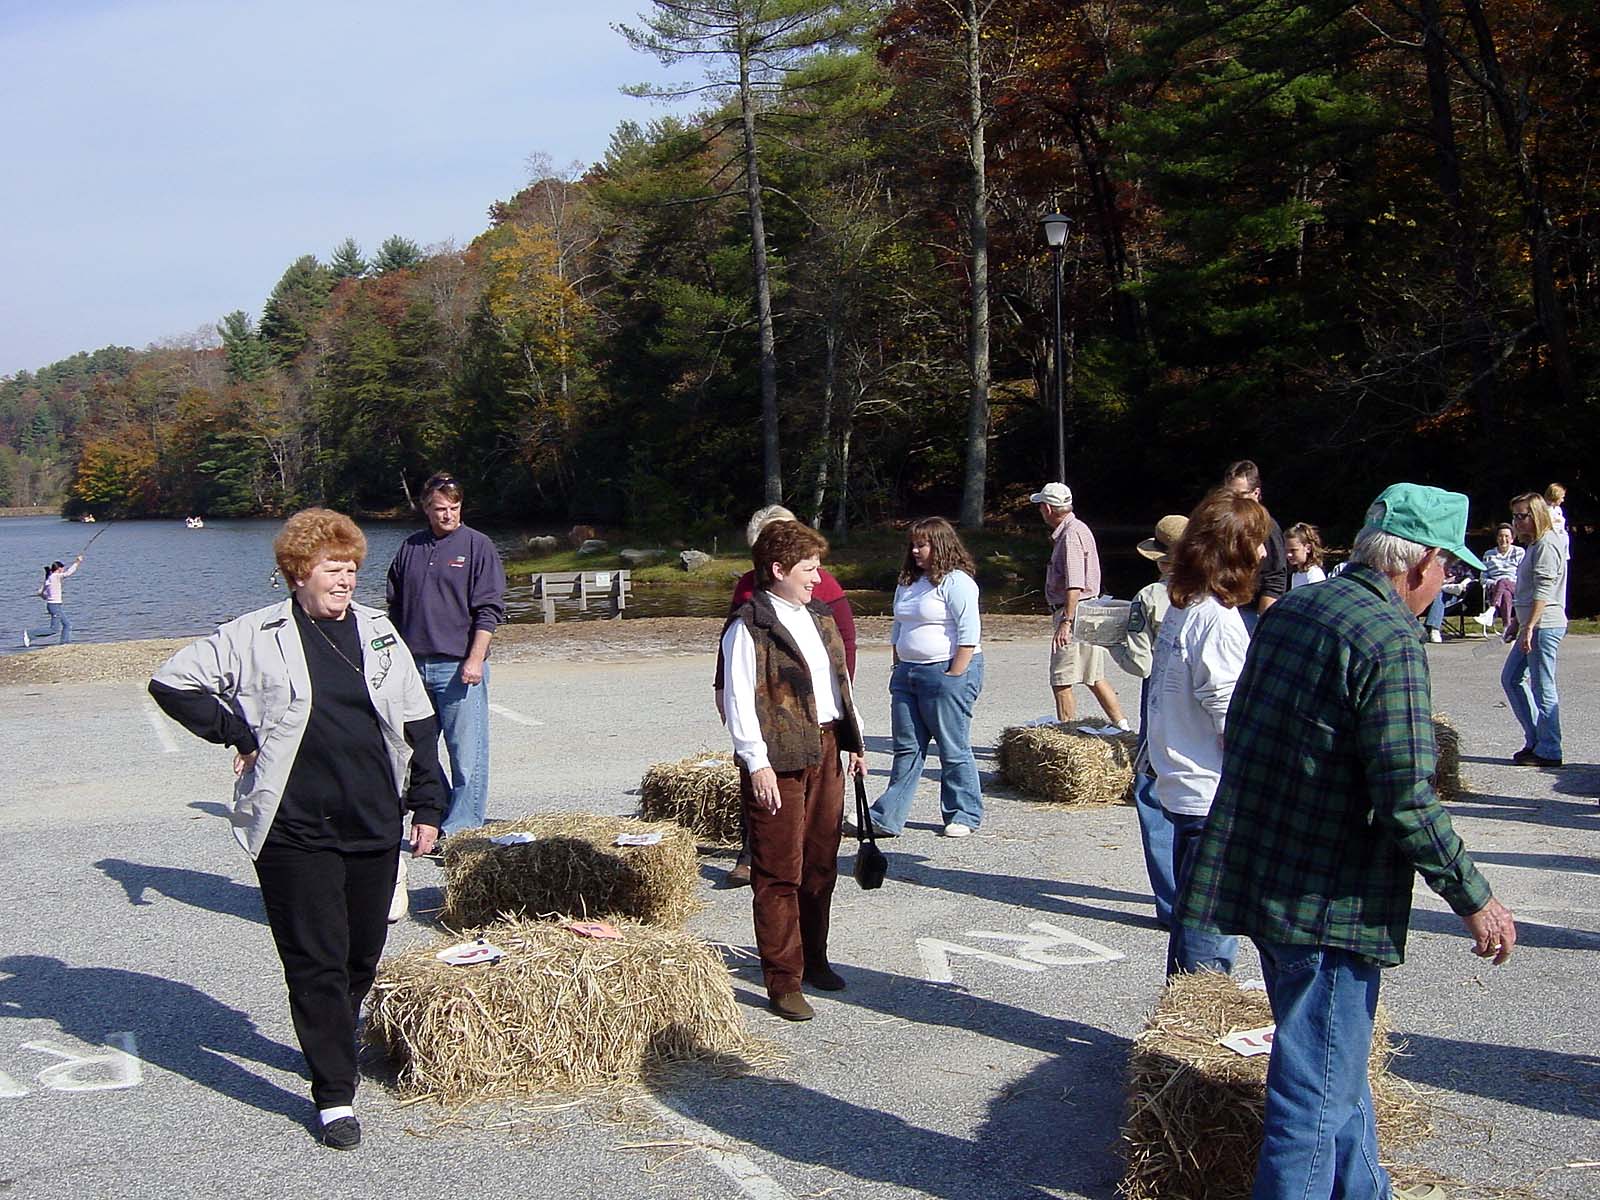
x: 791, y: 715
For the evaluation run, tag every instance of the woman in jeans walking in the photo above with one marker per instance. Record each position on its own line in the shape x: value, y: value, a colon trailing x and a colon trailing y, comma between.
x: 938, y: 673
x: 1536, y: 630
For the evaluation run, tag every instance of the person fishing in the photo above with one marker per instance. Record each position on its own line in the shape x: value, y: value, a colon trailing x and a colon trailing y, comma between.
x: 50, y: 593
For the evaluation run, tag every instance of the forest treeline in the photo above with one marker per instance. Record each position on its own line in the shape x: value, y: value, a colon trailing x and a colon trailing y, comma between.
x: 1352, y: 242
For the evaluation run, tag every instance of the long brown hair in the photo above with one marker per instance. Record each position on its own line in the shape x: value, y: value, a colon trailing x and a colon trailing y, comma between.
x: 946, y: 552
x: 1220, y: 552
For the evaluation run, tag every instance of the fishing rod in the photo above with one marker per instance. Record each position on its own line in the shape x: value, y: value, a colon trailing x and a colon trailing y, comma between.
x: 92, y: 540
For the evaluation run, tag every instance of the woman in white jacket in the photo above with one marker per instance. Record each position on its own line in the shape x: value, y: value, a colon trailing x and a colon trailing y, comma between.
x: 1199, y: 655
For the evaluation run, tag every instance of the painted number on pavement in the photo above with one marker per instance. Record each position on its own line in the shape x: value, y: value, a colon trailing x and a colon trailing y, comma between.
x: 1034, y: 951
x: 103, y: 1069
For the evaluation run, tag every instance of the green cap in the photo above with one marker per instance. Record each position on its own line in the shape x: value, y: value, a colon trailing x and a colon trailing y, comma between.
x: 1429, y: 516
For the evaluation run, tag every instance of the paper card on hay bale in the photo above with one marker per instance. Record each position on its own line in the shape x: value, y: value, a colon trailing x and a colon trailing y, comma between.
x: 1064, y: 765
x: 700, y: 792
x: 572, y: 866
x: 1193, y: 1127
x: 557, y: 1012
x: 1448, y: 782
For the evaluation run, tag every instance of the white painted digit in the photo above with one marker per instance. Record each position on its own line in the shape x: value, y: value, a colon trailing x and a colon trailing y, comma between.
x: 10, y: 1089
x: 1046, y: 937
x: 104, y: 1070
x: 935, y: 954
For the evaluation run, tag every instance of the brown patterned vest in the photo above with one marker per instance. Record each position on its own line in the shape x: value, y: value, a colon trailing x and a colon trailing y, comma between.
x: 785, y: 705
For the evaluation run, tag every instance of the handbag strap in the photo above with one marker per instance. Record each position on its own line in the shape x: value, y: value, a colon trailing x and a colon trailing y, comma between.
x: 863, y: 819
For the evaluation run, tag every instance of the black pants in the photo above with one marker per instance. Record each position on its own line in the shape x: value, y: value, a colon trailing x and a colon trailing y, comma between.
x: 329, y: 914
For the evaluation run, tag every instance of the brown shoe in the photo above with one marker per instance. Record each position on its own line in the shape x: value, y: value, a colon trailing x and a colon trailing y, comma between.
x: 791, y: 1006
x: 739, y: 876
x: 824, y: 978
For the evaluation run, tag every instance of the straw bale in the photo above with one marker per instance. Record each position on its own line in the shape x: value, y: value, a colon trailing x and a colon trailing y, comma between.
x: 574, y: 868
x: 559, y: 1012
x: 700, y: 792
x: 1193, y: 1127
x: 1063, y: 765
x: 1448, y: 782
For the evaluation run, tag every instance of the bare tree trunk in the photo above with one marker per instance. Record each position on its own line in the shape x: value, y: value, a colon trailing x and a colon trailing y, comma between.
x: 771, y: 467
x: 841, y: 511
x: 825, y: 434
x: 972, y: 492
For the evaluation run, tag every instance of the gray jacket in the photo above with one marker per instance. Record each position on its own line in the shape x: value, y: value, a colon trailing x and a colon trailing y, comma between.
x: 256, y: 665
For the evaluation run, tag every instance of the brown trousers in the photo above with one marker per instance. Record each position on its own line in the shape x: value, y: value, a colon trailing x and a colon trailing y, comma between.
x: 794, y: 861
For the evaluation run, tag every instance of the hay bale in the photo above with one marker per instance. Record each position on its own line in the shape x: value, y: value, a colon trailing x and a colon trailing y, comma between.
x: 701, y: 793
x: 1063, y: 765
x: 573, y: 868
x: 1193, y: 1127
x: 1448, y: 782
x: 559, y: 1012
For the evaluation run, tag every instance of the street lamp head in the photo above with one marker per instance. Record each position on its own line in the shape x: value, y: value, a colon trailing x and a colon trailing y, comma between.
x: 1055, y: 228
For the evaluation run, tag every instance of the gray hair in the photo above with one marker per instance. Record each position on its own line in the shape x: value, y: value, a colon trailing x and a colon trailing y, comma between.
x: 1383, y: 551
x: 762, y: 517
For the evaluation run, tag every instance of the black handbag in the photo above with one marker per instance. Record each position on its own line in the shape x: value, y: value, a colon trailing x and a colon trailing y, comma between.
x: 871, y: 865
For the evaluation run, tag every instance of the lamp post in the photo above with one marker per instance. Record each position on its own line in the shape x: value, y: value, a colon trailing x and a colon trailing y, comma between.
x: 1055, y: 232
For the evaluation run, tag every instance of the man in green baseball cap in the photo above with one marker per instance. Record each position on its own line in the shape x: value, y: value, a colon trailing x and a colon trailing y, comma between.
x: 1325, y: 814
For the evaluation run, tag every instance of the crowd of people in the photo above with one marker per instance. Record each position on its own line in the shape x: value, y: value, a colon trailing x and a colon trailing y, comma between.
x: 1283, y: 782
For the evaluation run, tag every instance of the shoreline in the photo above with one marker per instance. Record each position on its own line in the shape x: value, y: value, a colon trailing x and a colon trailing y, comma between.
x: 568, y: 641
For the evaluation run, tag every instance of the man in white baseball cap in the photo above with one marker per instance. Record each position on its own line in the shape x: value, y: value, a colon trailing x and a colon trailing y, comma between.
x: 1073, y: 575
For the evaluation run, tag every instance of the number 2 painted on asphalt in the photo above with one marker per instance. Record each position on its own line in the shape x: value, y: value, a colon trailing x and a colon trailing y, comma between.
x: 1034, y: 951
x: 104, y: 1069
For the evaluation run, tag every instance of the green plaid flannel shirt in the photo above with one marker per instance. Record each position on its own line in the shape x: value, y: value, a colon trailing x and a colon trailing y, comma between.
x: 1326, y: 804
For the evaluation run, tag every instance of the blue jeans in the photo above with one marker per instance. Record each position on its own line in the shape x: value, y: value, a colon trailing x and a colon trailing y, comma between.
x: 58, y: 621
x: 1155, y: 831
x: 926, y: 703
x: 464, y: 720
x: 1529, y: 681
x: 1319, y: 1136
x: 1188, y: 948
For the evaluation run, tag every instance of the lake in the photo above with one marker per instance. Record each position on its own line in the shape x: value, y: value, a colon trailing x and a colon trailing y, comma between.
x: 145, y: 579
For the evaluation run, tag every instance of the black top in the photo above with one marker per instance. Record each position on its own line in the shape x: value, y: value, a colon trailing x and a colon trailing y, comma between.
x: 1274, y: 577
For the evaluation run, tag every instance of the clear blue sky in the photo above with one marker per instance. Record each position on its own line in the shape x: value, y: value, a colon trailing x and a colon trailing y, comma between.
x: 165, y: 161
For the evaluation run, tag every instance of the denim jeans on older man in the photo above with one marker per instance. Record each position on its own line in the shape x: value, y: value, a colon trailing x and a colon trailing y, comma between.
x: 463, y: 710
x: 927, y: 703
x: 1319, y: 1136
x: 1529, y: 681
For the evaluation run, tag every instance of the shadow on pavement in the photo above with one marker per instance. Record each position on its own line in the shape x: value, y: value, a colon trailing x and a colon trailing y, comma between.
x: 1051, y: 1133
x: 1565, y: 1084
x: 179, y: 1028
x: 1562, y: 814
x: 1530, y: 934
x: 200, y: 889
x: 1548, y: 862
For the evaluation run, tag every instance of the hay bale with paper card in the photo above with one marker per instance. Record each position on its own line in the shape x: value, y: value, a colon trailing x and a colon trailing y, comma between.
x: 1064, y: 764
x: 541, y: 1006
x: 701, y: 793
x: 1194, y: 1115
x: 571, y: 864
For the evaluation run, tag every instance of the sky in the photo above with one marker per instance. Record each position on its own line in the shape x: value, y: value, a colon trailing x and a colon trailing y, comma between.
x: 164, y: 162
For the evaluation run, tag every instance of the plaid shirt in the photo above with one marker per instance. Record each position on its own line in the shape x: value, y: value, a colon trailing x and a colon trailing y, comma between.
x: 1326, y: 804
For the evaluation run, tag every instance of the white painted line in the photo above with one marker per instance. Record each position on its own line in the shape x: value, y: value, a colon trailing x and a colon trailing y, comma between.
x: 1500, y: 866
x: 749, y: 1178
x: 159, y: 724
x: 512, y: 715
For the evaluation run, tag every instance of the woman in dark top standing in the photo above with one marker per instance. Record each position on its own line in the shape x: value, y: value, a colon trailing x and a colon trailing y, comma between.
x: 334, y: 739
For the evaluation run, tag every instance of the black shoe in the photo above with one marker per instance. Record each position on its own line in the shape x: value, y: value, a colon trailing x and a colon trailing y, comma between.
x: 738, y: 875
x: 343, y: 1134
x: 824, y: 978
x: 1522, y: 757
x: 1539, y: 760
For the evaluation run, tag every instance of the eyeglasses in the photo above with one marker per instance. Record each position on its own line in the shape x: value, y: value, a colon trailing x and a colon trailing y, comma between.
x: 1521, y: 516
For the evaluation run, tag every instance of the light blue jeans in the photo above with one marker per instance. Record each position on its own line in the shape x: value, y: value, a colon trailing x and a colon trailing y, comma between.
x: 464, y: 720
x: 925, y: 703
x: 1529, y: 681
x: 1155, y: 831
x: 58, y: 621
x: 1319, y: 1137
x: 1188, y: 948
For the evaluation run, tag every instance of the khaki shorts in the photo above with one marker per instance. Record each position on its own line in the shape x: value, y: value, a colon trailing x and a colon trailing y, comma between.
x: 1076, y: 662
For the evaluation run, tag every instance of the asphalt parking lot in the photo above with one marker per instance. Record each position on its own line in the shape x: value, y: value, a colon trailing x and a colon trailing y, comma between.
x: 994, y: 984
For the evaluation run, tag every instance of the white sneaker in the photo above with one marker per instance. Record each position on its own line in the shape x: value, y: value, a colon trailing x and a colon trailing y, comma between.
x: 953, y: 830
x: 401, y: 903
x: 1124, y: 725
x: 27, y: 641
x: 1435, y: 636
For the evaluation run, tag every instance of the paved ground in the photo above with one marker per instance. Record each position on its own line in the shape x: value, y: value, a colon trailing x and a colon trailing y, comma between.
x: 129, y: 913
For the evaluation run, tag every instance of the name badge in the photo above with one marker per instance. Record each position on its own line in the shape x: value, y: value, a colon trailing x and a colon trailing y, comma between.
x: 384, y: 642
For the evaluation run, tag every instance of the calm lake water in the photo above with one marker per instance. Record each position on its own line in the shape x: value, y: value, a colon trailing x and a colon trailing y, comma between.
x: 144, y: 579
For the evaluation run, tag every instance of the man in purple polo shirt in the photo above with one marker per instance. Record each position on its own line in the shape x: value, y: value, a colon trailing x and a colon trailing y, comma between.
x: 447, y: 596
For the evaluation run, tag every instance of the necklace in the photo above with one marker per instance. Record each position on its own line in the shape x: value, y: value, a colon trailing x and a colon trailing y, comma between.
x: 332, y: 645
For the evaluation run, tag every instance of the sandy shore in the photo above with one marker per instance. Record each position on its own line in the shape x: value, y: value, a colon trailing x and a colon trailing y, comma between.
x: 571, y: 641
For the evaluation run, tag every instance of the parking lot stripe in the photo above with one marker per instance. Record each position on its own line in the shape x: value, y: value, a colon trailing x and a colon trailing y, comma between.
x: 750, y: 1179
x: 159, y: 724
x: 511, y: 715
